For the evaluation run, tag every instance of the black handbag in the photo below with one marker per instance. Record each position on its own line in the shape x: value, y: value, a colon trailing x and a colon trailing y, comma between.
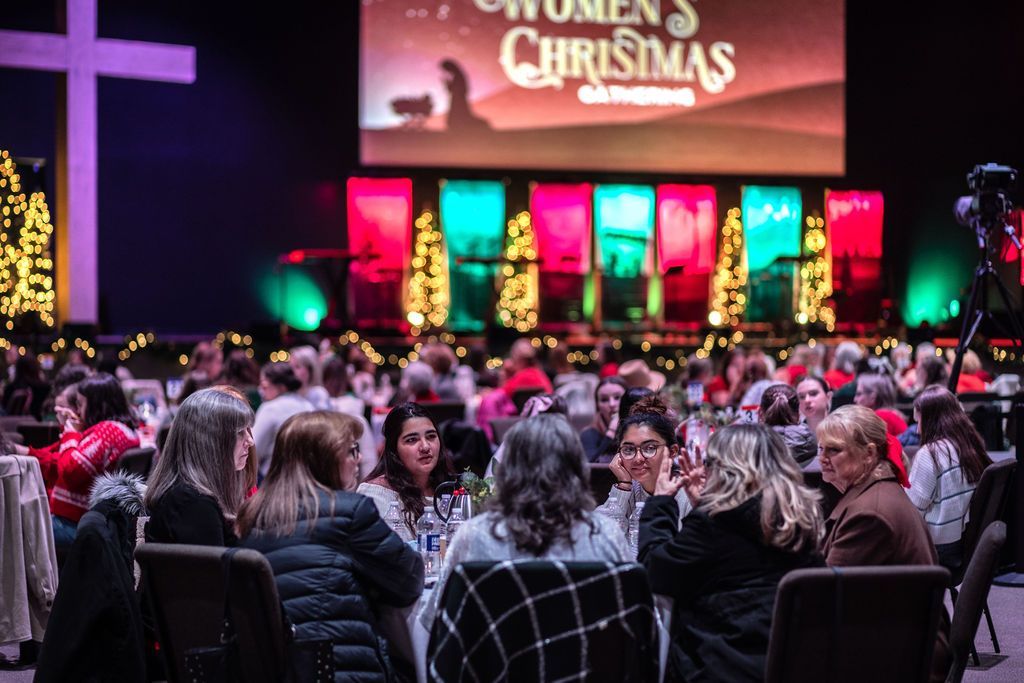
x: 217, y: 663
x: 308, y: 660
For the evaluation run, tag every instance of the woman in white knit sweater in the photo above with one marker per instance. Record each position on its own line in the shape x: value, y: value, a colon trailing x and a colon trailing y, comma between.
x: 946, y: 470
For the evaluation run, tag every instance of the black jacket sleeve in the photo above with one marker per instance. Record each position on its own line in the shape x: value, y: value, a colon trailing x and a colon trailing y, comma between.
x: 675, y: 561
x: 382, y: 559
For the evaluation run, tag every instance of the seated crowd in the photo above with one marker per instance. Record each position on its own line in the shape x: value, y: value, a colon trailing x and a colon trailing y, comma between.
x: 284, y: 460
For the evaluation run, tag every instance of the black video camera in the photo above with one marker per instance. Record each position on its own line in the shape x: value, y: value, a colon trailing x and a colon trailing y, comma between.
x: 988, y: 207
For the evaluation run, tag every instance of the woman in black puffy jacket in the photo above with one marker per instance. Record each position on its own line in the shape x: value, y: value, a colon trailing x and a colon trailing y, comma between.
x: 334, y: 558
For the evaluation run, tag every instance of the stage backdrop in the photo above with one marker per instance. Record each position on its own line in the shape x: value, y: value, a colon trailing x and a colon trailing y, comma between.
x: 729, y: 86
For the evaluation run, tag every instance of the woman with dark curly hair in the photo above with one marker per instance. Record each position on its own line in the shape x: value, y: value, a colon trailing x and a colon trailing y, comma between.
x: 543, y: 509
x: 412, y: 465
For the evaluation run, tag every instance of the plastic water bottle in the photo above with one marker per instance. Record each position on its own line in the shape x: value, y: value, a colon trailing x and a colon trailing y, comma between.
x: 428, y: 533
x: 393, y: 518
x: 634, y: 529
x: 455, y: 520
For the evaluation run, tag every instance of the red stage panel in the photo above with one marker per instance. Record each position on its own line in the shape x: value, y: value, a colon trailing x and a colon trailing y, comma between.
x: 854, y: 224
x: 562, y: 223
x: 687, y: 231
x: 380, y: 226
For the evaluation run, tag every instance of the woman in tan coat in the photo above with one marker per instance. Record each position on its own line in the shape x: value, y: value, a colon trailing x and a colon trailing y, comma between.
x: 874, y: 523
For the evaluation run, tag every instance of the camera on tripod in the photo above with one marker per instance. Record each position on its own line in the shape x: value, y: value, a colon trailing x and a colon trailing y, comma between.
x: 988, y: 208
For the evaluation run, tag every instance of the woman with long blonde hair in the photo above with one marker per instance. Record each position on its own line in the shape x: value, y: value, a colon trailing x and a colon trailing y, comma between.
x: 753, y: 521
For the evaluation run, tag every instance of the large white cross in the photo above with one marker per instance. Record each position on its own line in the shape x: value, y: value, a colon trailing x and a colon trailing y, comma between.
x: 82, y: 57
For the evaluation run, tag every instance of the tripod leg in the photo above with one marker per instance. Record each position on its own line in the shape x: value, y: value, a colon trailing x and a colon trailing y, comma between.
x: 973, y: 312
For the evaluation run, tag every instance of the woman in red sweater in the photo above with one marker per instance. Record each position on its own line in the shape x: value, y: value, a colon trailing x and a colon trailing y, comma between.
x: 96, y: 433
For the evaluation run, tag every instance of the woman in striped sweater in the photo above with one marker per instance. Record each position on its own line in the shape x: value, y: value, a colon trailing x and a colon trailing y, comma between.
x: 946, y: 470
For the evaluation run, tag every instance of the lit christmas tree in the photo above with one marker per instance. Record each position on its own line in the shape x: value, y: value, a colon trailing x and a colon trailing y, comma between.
x: 26, y: 264
x: 729, y: 300
x: 427, y: 305
x: 517, y: 303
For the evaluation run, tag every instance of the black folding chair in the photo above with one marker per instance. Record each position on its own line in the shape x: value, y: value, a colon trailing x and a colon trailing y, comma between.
x: 973, y: 598
x: 987, y: 505
x: 137, y: 461
x: 856, y: 624
x: 186, y: 591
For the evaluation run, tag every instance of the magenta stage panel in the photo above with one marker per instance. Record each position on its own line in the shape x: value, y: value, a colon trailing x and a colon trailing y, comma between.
x: 380, y: 234
x: 687, y: 237
x: 854, y: 228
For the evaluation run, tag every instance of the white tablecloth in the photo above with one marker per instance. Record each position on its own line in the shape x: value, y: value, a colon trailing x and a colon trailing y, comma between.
x: 406, y: 634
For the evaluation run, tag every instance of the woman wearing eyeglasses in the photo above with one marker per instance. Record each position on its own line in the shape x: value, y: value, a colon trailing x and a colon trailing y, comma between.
x: 204, y: 470
x: 334, y: 559
x: 645, y: 440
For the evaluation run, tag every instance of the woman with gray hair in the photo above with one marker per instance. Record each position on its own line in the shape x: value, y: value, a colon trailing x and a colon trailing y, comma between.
x: 204, y: 471
x: 753, y: 521
x: 543, y: 509
x: 844, y: 363
x: 878, y: 392
x: 305, y: 362
x: 416, y: 385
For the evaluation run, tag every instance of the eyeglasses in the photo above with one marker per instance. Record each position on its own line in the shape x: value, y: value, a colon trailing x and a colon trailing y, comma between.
x: 648, y: 450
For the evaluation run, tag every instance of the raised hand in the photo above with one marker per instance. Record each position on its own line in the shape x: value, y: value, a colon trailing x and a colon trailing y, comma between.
x: 692, y: 474
x: 613, y: 425
x: 619, y: 470
x: 668, y: 483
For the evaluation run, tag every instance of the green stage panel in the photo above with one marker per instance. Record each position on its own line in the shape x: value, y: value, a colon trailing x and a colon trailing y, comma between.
x: 473, y: 221
x: 624, y: 231
x: 772, y: 228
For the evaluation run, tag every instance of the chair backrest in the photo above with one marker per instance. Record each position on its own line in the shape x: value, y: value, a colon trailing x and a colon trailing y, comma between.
x: 973, y: 594
x: 186, y: 590
x: 545, y: 621
x: 501, y: 425
x: 137, y: 461
x: 468, y: 446
x: 10, y: 423
x: 855, y: 624
x: 986, y: 504
x: 443, y: 411
x: 988, y: 420
x: 19, y: 402
x: 521, y: 396
x: 601, y: 481
x: 39, y: 434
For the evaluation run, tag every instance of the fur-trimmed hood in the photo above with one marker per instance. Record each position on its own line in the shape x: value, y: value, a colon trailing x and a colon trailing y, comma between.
x: 124, y: 490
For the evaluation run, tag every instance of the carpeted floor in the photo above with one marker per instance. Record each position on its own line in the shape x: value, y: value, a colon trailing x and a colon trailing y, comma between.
x: 1007, y: 605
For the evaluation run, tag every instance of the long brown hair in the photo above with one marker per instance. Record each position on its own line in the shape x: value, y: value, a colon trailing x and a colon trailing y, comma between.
x: 308, y: 453
x: 780, y: 406
x: 200, y: 446
x: 942, y: 418
x: 390, y: 466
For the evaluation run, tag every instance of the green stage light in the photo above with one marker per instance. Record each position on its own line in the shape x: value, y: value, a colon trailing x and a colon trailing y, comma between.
x: 295, y: 297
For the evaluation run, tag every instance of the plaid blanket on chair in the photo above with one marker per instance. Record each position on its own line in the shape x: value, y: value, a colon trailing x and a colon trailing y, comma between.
x: 545, y: 621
